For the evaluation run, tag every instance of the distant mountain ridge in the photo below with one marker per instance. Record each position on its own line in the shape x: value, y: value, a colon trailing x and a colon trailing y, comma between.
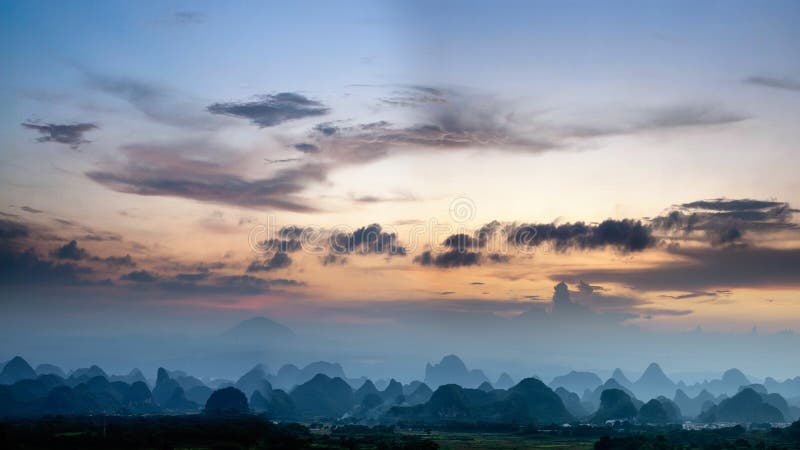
x: 328, y: 394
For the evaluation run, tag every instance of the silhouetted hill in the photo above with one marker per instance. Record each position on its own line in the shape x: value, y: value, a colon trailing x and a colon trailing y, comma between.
x: 787, y: 388
x: 572, y: 402
x: 259, y: 329
x: 619, y: 377
x: 593, y: 398
x: 729, y: 384
x: 745, y: 407
x: 504, y: 381
x: 289, y: 375
x: 420, y: 395
x: 368, y: 388
x: 226, y: 402
x: 659, y: 411
x: 393, y: 393
x: 169, y: 394
x: 653, y: 383
x: 254, y: 380
x: 84, y: 374
x: 323, y: 396
x: 530, y: 401
x: 692, y: 407
x: 577, y: 381
x: 451, y: 370
x: 486, y: 387
x: 615, y: 404
x: 15, y: 370
x: 132, y: 377
x: 199, y: 394
x: 50, y: 369
x: 177, y: 402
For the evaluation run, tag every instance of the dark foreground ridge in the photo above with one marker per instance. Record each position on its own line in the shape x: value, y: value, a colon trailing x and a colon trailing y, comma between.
x: 258, y: 432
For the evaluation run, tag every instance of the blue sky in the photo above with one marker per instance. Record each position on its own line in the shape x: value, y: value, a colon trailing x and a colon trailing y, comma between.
x: 166, y: 131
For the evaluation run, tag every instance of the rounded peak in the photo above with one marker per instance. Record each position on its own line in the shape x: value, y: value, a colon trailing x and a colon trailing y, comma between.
x: 734, y: 376
x: 320, y: 377
x: 451, y: 359
x: 653, y: 366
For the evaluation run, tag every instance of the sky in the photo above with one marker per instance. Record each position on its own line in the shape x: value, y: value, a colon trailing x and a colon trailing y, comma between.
x: 180, y: 166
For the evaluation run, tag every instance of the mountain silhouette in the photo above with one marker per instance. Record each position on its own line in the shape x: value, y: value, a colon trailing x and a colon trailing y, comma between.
x: 50, y: 369
x: 15, y: 370
x: 659, y: 411
x: 254, y: 380
x: 259, y: 329
x: 393, y: 392
x: 529, y: 401
x: 323, y: 397
x: 368, y: 388
x: 226, y: 402
x: 745, y: 407
x: 653, y: 383
x: 289, y: 375
x: 504, y: 381
x: 615, y: 404
x: 692, y: 407
x: 572, y: 402
x: 420, y: 395
x: 619, y: 377
x: 486, y: 387
x: 577, y: 381
x: 451, y: 370
x: 593, y: 398
x: 165, y: 388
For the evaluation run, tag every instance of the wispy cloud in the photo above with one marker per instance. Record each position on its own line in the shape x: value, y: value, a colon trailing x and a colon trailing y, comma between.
x: 270, y: 110
x: 180, y: 171
x: 785, y: 83
x: 71, y: 135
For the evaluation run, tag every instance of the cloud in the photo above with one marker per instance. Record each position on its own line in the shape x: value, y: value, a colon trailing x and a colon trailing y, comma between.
x: 279, y: 260
x: 70, y: 251
x: 625, y: 235
x: 118, y: 261
x: 159, y: 103
x: 726, y: 221
x: 366, y: 240
x: 10, y: 229
x: 456, y: 119
x: 331, y: 259
x: 305, y: 147
x: 463, y: 242
x: 691, y: 115
x: 785, y: 83
x: 448, y: 259
x: 140, y: 276
x: 280, y: 245
x: 703, y: 269
x: 31, y: 210
x: 71, y: 135
x: 27, y: 268
x: 189, y: 17
x: 691, y: 295
x: 194, y: 171
x: 400, y: 197
x: 271, y: 110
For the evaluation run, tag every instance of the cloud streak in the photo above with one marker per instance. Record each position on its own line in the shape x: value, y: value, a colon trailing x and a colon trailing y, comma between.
x: 180, y: 171
x: 70, y: 135
x: 270, y: 110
